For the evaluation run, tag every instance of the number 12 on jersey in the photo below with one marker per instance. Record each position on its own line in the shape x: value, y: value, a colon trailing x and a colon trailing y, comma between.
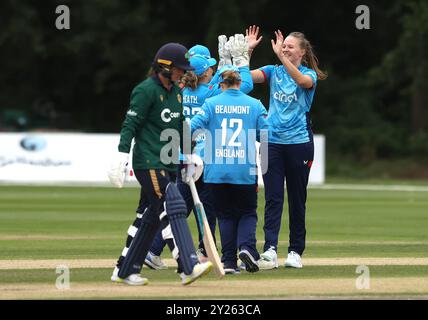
x: 232, y: 124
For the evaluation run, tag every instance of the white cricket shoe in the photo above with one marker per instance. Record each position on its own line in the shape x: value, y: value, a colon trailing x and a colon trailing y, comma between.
x: 293, y: 260
x: 132, y: 280
x: 115, y: 275
x: 135, y: 280
x: 268, y: 259
x: 199, y: 270
x: 154, y: 262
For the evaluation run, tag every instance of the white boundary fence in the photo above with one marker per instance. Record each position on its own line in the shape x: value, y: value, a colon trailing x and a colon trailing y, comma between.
x: 81, y: 158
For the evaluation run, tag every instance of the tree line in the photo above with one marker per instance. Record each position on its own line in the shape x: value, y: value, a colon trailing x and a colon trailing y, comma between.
x: 373, y: 104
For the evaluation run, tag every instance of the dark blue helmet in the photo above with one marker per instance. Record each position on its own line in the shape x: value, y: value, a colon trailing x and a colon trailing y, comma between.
x: 173, y: 55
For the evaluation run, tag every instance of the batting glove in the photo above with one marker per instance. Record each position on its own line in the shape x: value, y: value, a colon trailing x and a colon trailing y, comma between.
x: 119, y: 170
x: 239, y: 50
x: 194, y: 166
x: 225, y: 57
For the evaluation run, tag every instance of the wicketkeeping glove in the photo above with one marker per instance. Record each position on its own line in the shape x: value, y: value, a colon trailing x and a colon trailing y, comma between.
x: 239, y: 50
x: 225, y: 57
x: 119, y: 170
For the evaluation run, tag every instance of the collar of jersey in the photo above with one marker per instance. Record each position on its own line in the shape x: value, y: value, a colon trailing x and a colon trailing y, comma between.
x: 233, y: 91
x: 158, y: 82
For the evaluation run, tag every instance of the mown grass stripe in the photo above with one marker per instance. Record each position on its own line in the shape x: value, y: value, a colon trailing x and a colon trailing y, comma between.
x: 102, y: 263
x: 83, y: 275
x: 264, y: 288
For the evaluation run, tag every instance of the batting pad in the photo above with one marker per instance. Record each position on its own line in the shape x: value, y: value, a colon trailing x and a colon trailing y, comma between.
x: 139, y: 247
x: 177, y: 213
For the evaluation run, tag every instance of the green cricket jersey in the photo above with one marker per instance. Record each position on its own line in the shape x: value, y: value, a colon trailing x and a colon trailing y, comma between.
x: 152, y: 110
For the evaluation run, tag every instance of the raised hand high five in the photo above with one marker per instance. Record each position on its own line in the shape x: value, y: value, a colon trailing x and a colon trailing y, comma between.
x: 277, y: 45
x: 252, y: 33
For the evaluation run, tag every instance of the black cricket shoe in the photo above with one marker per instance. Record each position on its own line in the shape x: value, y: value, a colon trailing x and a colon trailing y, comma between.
x: 251, y: 264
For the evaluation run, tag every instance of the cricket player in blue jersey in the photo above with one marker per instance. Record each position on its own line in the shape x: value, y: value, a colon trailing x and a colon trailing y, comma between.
x: 199, y: 85
x: 291, y: 148
x: 233, y: 121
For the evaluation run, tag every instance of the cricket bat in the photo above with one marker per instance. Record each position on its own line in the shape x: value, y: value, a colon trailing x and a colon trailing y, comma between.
x: 209, y: 244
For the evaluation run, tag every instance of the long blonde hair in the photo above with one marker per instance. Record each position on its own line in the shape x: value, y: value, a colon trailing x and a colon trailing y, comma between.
x: 309, y: 59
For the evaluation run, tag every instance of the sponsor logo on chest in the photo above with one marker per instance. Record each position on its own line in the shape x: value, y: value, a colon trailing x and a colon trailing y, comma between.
x: 167, y: 115
x: 283, y: 97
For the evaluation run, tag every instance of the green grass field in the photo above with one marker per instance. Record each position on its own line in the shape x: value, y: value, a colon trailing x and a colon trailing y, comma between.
x: 345, y: 228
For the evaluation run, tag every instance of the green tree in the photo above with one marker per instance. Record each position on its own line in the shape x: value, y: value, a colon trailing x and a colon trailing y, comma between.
x: 400, y: 80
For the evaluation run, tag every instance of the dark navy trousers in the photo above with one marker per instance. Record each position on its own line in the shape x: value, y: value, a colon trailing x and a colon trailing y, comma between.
x: 205, y: 197
x: 236, y: 208
x: 292, y: 163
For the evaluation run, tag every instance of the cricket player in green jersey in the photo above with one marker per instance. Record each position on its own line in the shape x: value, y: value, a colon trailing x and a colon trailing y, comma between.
x: 156, y: 109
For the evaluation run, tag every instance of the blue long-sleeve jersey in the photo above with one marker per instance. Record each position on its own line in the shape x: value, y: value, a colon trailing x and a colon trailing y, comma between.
x: 232, y: 122
x: 194, y: 99
x: 289, y: 105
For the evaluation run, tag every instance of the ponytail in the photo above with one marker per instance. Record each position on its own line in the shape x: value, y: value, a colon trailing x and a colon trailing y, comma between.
x: 190, y: 80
